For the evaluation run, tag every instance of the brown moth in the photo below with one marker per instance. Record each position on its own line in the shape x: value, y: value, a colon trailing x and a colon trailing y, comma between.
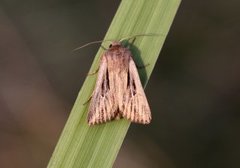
x: 118, y: 92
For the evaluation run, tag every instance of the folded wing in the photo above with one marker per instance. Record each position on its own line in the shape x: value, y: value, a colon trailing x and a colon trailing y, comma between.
x: 102, y: 107
x: 136, y: 107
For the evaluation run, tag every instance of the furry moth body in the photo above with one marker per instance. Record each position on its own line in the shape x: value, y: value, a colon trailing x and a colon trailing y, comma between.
x: 118, y: 92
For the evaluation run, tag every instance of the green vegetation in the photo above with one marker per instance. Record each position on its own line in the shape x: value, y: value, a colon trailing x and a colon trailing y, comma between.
x: 97, y: 146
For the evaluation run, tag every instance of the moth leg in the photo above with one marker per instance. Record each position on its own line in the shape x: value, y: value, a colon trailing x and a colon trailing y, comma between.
x: 131, y: 43
x: 142, y: 66
x: 138, y: 66
x: 88, y: 100
x: 93, y: 73
x: 103, y: 47
x: 133, y: 40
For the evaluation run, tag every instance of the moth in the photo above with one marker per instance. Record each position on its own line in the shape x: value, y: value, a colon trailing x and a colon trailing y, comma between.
x: 118, y: 91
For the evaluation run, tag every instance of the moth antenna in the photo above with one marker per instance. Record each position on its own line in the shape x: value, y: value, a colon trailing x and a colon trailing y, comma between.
x: 90, y: 43
x: 139, y: 35
x: 125, y: 38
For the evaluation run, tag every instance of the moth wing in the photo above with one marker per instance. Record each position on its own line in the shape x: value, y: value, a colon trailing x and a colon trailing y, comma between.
x: 136, y: 109
x: 102, y: 107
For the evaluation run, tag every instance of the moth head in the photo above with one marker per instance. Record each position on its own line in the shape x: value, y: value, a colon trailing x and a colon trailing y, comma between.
x: 115, y: 44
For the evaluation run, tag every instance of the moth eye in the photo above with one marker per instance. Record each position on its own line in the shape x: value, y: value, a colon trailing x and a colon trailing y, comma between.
x: 110, y: 45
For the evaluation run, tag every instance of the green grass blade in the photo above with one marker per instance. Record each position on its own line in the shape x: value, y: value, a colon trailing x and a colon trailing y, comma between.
x: 97, y: 146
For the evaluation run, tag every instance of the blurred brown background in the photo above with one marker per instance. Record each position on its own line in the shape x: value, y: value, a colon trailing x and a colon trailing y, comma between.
x: 193, y: 92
